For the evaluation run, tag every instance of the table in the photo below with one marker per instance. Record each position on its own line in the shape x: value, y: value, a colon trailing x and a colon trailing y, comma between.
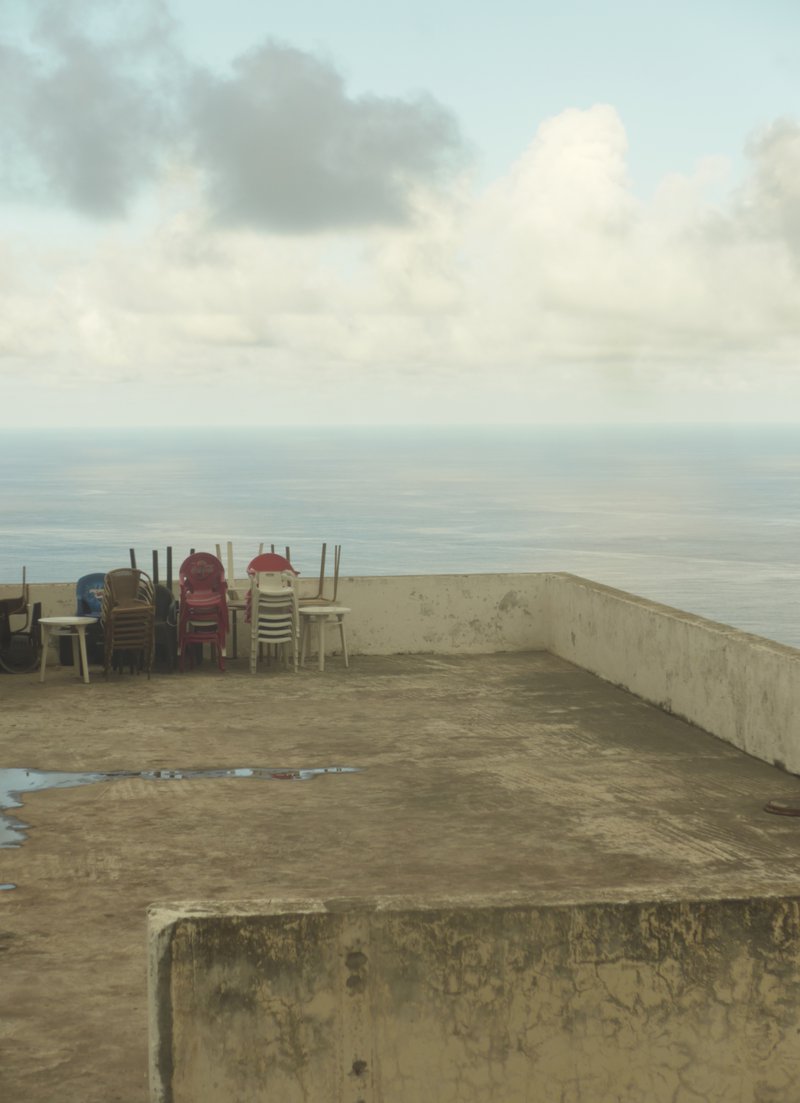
x: 67, y: 626
x: 319, y: 615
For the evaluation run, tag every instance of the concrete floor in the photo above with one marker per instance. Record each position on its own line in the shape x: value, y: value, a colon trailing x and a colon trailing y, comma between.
x: 510, y: 775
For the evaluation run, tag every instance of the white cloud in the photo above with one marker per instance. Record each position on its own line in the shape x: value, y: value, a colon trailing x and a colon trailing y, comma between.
x: 769, y: 205
x: 554, y: 291
x: 586, y: 272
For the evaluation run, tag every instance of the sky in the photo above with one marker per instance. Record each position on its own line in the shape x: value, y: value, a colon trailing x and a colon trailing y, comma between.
x: 253, y: 213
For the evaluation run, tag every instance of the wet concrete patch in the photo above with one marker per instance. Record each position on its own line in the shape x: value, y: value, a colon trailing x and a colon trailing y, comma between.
x: 14, y: 783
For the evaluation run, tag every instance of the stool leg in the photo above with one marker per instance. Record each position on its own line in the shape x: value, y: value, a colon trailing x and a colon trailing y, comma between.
x: 340, y: 618
x: 84, y: 658
x: 45, y: 644
x: 321, y: 630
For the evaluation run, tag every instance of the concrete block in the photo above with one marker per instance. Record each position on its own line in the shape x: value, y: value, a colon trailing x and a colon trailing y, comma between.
x: 395, y: 1001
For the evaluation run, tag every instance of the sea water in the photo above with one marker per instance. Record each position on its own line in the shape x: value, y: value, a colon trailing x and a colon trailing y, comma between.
x: 706, y: 519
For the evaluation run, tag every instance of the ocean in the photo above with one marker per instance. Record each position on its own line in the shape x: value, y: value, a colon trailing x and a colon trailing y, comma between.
x: 704, y: 518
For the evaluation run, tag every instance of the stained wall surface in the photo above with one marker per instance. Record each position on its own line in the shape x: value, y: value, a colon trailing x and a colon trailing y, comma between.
x: 445, y: 614
x: 742, y: 688
x: 470, y: 1002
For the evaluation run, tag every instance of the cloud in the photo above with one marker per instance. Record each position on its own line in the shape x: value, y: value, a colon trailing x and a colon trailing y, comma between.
x: 554, y: 289
x: 769, y: 204
x: 285, y: 147
x: 88, y: 109
x: 100, y: 103
x: 582, y: 271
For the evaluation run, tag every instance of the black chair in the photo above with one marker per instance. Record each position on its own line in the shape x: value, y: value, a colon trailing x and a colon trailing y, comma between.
x: 166, y: 628
x: 20, y: 647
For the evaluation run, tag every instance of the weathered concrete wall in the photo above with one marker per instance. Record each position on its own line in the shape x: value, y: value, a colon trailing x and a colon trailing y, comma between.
x: 742, y: 688
x: 391, y: 1003
x: 448, y: 614
x: 57, y: 598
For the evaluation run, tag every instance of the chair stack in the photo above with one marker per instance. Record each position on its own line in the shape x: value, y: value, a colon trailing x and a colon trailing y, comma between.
x: 166, y: 627
x: 128, y: 620
x: 273, y: 610
x: 203, y: 606
x: 20, y: 647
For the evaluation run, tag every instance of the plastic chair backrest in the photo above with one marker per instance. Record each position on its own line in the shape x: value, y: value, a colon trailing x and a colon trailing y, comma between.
x: 124, y: 585
x: 202, y: 572
x: 273, y: 580
x: 89, y: 594
x: 16, y: 606
x: 270, y: 563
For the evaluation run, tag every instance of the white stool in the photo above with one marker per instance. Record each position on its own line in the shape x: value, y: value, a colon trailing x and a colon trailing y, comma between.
x: 320, y: 615
x: 67, y: 626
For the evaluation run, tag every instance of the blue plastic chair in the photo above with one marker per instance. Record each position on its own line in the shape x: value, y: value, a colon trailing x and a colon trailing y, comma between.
x: 89, y: 593
x: 88, y: 603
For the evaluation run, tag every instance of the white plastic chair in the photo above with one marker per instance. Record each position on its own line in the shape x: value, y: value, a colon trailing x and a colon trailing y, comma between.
x: 274, y: 619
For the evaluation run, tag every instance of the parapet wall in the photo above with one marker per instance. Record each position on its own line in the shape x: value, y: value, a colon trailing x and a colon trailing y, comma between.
x: 396, y: 1002
x: 742, y: 688
x: 445, y: 614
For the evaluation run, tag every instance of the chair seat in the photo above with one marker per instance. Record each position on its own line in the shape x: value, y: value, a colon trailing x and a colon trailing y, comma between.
x: 203, y: 601
x: 194, y: 628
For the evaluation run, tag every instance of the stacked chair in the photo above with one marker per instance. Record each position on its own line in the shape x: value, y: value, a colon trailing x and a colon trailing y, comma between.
x: 89, y: 591
x: 128, y: 617
x: 166, y: 628
x: 274, y: 618
x: 20, y: 647
x: 203, y: 616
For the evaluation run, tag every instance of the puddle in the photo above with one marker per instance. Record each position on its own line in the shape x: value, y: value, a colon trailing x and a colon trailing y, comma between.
x: 15, y: 783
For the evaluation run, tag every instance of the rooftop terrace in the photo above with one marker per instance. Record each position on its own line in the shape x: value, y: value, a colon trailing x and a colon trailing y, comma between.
x: 505, y: 776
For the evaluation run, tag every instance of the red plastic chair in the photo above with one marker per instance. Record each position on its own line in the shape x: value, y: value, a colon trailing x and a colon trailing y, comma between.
x: 203, y: 605
x: 270, y: 563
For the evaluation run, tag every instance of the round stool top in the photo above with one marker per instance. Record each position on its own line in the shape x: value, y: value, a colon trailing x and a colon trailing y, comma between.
x: 321, y: 610
x: 67, y: 622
